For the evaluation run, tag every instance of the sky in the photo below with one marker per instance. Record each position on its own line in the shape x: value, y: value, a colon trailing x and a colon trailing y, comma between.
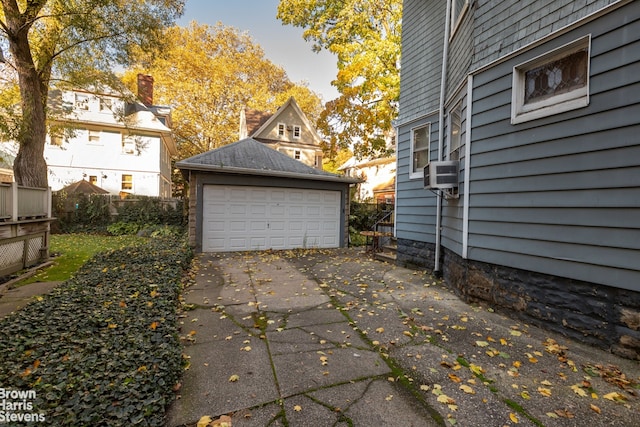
x: 283, y: 44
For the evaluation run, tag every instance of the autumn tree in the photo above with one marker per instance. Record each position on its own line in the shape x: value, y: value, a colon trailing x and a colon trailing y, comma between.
x: 207, y: 76
x: 74, y: 43
x: 365, y: 37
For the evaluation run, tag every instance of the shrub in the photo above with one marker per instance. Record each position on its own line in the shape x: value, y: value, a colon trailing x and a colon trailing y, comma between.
x: 103, y: 348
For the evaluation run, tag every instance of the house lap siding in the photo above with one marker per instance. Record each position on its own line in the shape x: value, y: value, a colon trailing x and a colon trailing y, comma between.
x: 419, y: 98
x: 560, y: 195
x: 503, y: 26
x: 421, y: 58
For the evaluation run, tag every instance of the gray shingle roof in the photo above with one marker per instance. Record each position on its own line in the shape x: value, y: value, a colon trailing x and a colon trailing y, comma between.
x: 252, y: 157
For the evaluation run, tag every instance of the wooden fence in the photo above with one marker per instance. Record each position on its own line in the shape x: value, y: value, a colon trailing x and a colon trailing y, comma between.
x: 25, y: 216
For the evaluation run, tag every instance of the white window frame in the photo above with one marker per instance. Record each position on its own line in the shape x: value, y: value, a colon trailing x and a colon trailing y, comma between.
x: 129, y: 183
x: 577, y: 98
x: 419, y: 174
x: 94, y: 137
x: 281, y: 129
x: 297, y: 154
x: 457, y: 15
x: 81, y: 101
x: 129, y: 144
x: 297, y: 132
x: 459, y: 139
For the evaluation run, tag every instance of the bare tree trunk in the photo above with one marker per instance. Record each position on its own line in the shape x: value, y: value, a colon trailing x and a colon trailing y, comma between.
x: 30, y: 167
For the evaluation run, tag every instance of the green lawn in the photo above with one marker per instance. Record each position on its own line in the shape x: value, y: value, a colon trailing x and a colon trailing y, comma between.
x: 73, y: 250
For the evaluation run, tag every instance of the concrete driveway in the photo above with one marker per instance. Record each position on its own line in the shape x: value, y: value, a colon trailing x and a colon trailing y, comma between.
x: 334, y: 338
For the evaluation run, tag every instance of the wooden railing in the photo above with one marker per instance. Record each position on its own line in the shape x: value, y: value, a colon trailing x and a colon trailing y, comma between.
x: 18, y: 203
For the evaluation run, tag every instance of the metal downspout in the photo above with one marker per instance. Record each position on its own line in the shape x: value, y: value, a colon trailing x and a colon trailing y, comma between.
x: 443, y: 90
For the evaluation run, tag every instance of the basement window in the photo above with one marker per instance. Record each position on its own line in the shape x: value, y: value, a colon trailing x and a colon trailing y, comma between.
x: 552, y: 83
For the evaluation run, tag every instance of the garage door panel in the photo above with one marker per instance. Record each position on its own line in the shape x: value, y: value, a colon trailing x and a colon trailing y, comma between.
x: 238, y: 218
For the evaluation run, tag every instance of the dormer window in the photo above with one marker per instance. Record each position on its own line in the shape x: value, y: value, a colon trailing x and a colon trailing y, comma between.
x: 297, y: 132
x: 282, y: 128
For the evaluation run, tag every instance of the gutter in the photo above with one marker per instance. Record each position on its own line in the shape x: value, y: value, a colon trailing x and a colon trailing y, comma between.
x: 443, y: 90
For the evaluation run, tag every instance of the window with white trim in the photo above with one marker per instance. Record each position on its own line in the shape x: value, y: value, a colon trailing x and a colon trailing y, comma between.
x: 552, y: 83
x: 296, y: 154
x: 94, y: 137
x: 282, y: 128
x: 420, y: 144
x: 458, y: 9
x: 297, y: 130
x: 455, y: 131
x: 127, y: 182
x: 81, y: 101
x: 129, y: 144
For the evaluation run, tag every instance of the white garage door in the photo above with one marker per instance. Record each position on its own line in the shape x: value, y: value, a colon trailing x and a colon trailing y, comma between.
x: 241, y: 218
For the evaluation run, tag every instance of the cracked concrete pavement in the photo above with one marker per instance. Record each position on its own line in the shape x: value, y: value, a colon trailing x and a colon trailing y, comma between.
x: 334, y: 338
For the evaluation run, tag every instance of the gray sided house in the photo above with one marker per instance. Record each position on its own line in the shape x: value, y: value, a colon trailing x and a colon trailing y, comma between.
x: 247, y: 196
x: 537, y: 103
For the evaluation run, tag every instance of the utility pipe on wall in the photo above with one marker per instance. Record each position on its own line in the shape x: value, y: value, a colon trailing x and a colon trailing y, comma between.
x: 443, y: 94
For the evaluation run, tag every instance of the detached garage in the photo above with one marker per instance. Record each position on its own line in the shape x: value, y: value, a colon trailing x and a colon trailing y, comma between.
x: 246, y: 196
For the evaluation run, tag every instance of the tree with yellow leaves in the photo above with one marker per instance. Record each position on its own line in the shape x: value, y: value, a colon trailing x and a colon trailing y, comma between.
x: 365, y: 37
x: 208, y: 75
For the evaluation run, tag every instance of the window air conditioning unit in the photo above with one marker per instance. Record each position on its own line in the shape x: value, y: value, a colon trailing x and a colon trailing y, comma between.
x: 441, y: 175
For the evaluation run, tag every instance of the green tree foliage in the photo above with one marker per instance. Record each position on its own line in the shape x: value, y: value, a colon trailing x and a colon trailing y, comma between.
x: 74, y: 43
x: 365, y: 37
x: 208, y: 75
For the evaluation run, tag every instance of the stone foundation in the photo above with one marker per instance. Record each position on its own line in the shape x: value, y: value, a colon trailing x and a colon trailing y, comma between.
x: 597, y: 315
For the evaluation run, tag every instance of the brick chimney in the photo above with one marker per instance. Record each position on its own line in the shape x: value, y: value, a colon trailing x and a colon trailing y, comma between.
x: 145, y: 89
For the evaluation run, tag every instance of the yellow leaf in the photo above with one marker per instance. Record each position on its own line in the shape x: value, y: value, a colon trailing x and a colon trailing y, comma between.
x: 297, y: 408
x: 546, y: 382
x: 525, y: 395
x: 503, y: 341
x: 482, y: 343
x: 577, y: 389
x: 233, y: 378
x: 552, y: 415
x: 476, y: 369
x: 544, y: 391
x: 614, y: 396
x: 594, y: 408
x: 443, y: 398
x: 112, y: 325
x: 380, y: 330
x: 153, y: 326
x: 515, y: 333
x: 424, y: 387
x: 467, y: 389
x: 513, y: 418
x: 204, y: 421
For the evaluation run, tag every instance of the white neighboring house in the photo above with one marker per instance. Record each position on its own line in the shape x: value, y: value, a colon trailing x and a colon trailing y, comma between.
x: 379, y: 177
x: 123, y: 156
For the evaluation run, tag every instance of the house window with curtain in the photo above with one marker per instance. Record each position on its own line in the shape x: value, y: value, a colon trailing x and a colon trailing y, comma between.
x: 420, y: 142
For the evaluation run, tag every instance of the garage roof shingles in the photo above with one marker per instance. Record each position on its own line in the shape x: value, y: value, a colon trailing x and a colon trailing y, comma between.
x: 252, y: 157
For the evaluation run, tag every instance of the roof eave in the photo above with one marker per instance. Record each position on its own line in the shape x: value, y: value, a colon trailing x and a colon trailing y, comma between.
x: 256, y: 172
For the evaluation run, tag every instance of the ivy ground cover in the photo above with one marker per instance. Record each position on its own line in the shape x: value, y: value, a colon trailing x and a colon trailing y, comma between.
x: 101, y: 349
